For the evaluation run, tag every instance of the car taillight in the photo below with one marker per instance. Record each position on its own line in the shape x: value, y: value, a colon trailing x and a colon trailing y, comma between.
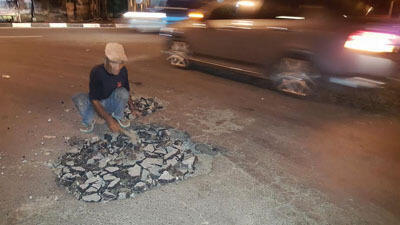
x: 372, y: 41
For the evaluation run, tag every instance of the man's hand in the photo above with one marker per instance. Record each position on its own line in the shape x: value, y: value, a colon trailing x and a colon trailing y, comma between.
x: 114, y: 126
x: 130, y: 104
x: 132, y: 108
x: 111, y: 122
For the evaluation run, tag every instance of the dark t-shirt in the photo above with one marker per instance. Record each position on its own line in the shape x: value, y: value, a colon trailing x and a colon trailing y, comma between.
x: 102, y: 84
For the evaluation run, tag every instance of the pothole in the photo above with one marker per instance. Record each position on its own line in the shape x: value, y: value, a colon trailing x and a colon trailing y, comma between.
x: 113, y: 167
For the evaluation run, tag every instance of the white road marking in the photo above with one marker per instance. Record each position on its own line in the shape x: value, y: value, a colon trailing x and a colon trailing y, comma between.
x: 58, y: 25
x: 28, y: 36
x: 22, y: 25
x: 91, y: 25
x: 118, y: 25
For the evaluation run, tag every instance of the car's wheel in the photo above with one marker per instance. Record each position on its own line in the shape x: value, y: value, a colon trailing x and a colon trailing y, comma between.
x: 178, y: 54
x: 295, y: 77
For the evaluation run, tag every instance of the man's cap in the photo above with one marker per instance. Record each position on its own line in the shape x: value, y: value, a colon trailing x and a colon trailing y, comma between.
x: 115, y: 52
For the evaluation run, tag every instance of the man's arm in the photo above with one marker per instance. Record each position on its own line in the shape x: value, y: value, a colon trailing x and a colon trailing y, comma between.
x: 130, y: 101
x: 112, y: 124
x: 94, y: 95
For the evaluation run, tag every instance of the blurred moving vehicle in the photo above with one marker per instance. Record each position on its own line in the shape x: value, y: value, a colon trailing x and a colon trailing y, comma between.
x: 161, y: 13
x: 297, y: 44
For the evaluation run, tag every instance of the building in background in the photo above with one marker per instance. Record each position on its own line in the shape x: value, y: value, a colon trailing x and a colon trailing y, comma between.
x: 88, y: 10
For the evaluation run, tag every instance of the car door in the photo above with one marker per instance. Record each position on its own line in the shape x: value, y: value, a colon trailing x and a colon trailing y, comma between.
x: 210, y: 37
x: 274, y: 27
x: 243, y: 31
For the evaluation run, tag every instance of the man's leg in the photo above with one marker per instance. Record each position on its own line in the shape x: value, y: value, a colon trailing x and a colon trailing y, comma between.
x: 116, y: 103
x: 85, y: 108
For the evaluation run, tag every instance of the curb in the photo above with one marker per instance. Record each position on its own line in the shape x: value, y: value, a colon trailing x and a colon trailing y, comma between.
x: 63, y: 25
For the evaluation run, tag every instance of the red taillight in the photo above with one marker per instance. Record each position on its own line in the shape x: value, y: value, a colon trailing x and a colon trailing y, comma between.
x: 372, y: 41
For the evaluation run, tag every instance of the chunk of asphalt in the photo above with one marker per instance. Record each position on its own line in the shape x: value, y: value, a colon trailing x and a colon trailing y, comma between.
x: 171, y: 153
x: 108, y: 194
x: 145, y: 175
x: 149, y: 162
x: 91, y: 198
x: 91, y: 190
x: 189, y: 162
x: 113, y: 183
x: 134, y: 171
x: 109, y: 177
x: 149, y: 148
x: 112, y: 169
x: 140, y: 186
x: 166, y: 177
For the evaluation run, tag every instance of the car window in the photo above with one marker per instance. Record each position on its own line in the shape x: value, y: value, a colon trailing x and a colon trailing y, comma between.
x: 190, y: 4
x: 275, y: 9
x: 278, y: 9
x: 224, y: 12
x: 234, y: 10
x: 283, y: 9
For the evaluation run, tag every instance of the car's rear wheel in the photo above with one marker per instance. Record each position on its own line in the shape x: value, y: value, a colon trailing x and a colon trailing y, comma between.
x: 178, y: 54
x: 295, y: 77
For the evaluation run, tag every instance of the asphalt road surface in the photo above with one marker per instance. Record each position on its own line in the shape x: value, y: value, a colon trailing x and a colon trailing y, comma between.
x: 286, y: 160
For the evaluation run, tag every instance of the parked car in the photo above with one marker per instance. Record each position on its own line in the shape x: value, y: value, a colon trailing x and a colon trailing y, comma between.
x: 297, y: 44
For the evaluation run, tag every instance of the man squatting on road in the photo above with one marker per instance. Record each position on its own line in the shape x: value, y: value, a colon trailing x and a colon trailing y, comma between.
x: 108, y: 92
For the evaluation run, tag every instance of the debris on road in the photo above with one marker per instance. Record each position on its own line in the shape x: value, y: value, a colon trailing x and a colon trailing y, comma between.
x: 49, y: 137
x: 206, y: 149
x: 144, y: 106
x: 49, y: 120
x: 5, y: 76
x: 114, y: 167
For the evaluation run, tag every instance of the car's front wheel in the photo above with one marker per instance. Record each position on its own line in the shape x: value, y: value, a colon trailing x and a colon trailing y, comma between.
x: 295, y: 77
x: 178, y: 54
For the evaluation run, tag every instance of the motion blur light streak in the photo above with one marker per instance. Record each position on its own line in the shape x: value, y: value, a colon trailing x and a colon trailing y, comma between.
x: 243, y: 23
x: 290, y: 17
x: 371, y: 41
x: 197, y: 15
x: 245, y: 3
x: 144, y: 15
x: 370, y: 10
x: 201, y: 25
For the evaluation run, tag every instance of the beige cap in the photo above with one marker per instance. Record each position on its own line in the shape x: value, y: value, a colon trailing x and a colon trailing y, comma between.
x: 115, y: 52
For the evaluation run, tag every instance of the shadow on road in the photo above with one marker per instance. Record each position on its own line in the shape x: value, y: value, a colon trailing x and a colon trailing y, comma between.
x: 369, y: 100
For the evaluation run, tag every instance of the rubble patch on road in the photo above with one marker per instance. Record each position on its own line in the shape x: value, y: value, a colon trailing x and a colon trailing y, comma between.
x: 113, y: 167
x: 143, y: 106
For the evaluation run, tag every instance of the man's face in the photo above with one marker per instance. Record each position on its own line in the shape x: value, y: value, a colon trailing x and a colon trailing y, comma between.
x: 114, y: 67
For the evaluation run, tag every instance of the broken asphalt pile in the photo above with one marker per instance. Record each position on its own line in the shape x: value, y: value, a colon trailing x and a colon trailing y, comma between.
x: 144, y: 106
x: 115, y: 168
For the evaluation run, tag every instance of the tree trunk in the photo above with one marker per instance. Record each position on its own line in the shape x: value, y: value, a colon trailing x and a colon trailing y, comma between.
x: 103, y: 9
